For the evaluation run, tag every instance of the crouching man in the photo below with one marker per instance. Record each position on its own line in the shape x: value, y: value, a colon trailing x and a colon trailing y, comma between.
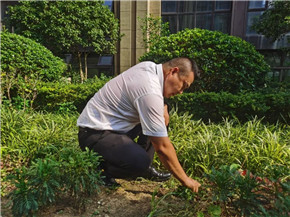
x: 132, y: 105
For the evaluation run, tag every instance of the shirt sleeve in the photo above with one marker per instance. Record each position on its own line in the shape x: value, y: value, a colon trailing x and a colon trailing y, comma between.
x: 151, y: 113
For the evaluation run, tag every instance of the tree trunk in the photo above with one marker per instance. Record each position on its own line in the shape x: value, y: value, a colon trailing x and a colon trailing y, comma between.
x: 282, y: 59
x: 86, y: 66
x: 81, y: 66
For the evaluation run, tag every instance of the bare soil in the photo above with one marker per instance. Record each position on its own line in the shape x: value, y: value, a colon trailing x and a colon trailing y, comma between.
x: 132, y: 199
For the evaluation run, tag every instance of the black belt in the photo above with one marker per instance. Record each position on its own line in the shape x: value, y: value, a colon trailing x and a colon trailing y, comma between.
x: 89, y: 129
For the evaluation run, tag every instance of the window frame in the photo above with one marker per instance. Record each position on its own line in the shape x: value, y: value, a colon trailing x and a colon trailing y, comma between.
x: 178, y: 14
x: 252, y: 10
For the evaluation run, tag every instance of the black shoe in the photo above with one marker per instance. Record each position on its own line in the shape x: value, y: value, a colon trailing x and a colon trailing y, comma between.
x: 110, y: 182
x: 153, y: 175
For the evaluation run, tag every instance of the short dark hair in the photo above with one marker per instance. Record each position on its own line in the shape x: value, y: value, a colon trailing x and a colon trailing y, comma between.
x: 185, y: 66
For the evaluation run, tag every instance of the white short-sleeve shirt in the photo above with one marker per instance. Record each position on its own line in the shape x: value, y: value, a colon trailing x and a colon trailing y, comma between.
x: 133, y: 97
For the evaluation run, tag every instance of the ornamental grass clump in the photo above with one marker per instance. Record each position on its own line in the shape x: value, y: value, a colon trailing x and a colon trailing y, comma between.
x: 252, y: 145
x: 25, y: 134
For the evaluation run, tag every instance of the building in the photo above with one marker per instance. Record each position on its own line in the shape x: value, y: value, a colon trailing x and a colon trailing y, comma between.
x: 231, y: 17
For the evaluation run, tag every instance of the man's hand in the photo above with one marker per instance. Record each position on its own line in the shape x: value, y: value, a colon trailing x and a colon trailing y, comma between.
x: 192, y: 184
x: 168, y: 157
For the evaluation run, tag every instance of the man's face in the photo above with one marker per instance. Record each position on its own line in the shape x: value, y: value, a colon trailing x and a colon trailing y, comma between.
x: 174, y: 83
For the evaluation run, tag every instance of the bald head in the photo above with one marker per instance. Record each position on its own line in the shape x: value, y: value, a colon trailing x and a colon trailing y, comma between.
x: 185, y: 66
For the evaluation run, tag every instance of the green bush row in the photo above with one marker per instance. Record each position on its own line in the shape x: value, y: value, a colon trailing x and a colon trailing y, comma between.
x: 227, y: 63
x: 272, y: 107
x: 67, y: 97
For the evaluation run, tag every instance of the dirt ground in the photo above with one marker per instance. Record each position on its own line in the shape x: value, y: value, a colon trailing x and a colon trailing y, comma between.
x: 132, y: 199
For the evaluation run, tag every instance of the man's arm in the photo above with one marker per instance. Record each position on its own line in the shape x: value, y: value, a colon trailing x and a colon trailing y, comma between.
x: 166, y: 115
x: 168, y: 157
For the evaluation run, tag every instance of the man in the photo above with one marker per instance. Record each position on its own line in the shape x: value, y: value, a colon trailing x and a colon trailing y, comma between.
x: 131, y: 105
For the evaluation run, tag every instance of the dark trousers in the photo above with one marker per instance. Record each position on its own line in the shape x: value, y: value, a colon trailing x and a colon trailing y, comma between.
x: 123, y: 157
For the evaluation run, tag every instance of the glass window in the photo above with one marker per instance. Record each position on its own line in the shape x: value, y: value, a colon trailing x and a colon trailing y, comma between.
x: 109, y: 3
x: 186, y: 21
x: 200, y: 14
x: 257, y: 4
x: 172, y: 20
x: 203, y: 21
x: 187, y: 6
x: 105, y: 60
x: 168, y: 6
x: 223, y: 5
x: 204, y: 6
x: 222, y: 22
x: 251, y: 18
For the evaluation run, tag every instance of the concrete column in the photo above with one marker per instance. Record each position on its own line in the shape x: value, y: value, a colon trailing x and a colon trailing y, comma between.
x: 131, y: 45
x: 127, y: 28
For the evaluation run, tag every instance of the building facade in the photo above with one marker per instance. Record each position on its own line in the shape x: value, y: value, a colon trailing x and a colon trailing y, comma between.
x: 231, y: 17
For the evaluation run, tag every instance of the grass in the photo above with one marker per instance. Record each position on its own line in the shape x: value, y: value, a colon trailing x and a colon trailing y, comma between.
x: 202, y: 148
x: 24, y: 134
x: 253, y: 145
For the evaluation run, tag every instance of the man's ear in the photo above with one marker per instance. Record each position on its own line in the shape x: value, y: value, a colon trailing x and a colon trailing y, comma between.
x: 175, y: 70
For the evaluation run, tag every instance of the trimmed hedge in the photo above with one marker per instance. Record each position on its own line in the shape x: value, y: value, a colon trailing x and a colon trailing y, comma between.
x: 272, y: 107
x: 23, y: 56
x: 62, y: 97
x: 228, y: 63
x: 57, y: 97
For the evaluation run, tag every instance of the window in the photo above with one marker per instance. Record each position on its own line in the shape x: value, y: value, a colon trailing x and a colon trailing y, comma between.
x: 212, y: 15
x: 255, y: 10
x: 257, y: 4
x: 105, y: 60
x: 109, y: 3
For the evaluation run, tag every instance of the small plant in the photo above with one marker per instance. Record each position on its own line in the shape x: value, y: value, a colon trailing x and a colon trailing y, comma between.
x: 222, y: 182
x: 155, y: 204
x: 249, y: 194
x: 68, y: 171
x: 34, y: 187
x: 215, y: 211
x: 81, y: 174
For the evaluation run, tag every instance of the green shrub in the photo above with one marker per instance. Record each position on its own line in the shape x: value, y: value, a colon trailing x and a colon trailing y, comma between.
x: 253, y: 145
x: 26, y: 57
x: 24, y: 63
x: 46, y: 145
x: 227, y: 63
x: 69, y: 170
x: 272, y: 107
x: 247, y: 193
x: 62, y: 97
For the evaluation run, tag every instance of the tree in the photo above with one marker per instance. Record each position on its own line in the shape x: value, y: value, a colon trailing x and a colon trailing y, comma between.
x: 79, y: 27
x: 152, y: 29
x: 274, y: 23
